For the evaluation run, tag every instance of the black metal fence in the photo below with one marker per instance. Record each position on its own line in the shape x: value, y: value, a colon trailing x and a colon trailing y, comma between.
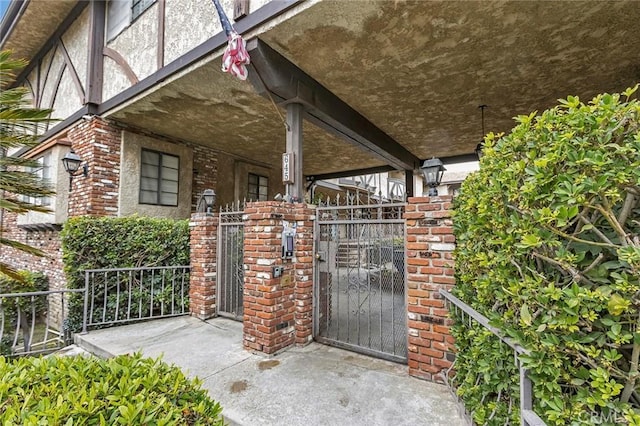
x: 41, y: 322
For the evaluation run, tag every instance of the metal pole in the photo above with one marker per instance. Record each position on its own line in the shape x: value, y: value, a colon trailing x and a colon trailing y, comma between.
x: 86, y: 302
x: 526, y: 399
x: 294, y: 145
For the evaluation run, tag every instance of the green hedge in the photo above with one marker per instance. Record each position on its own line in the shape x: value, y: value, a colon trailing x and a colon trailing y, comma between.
x: 128, y: 390
x: 107, y: 242
x: 548, y: 248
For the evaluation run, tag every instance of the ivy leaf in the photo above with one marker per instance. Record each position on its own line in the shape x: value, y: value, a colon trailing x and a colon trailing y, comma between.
x: 617, y: 304
x: 525, y: 316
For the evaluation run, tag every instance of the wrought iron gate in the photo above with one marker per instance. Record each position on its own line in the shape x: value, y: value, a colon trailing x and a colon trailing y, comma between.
x: 360, y: 297
x: 230, y: 272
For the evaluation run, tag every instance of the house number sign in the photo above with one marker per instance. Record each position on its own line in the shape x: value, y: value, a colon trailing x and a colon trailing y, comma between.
x: 287, y: 168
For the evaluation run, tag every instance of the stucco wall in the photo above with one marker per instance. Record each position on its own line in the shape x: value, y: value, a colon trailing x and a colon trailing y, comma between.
x: 132, y: 145
x: 137, y: 44
x: 43, y: 78
x: 189, y: 23
x: 60, y: 184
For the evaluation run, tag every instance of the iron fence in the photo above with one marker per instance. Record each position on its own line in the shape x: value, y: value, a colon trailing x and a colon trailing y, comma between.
x: 35, y: 322
x: 527, y: 416
x: 230, y: 262
x: 125, y: 295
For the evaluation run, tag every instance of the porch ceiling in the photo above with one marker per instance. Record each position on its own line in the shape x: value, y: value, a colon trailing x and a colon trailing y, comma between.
x: 418, y: 70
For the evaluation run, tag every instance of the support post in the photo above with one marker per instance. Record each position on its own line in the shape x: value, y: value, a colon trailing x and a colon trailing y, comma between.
x: 294, y: 145
x: 409, y: 187
x: 96, y: 58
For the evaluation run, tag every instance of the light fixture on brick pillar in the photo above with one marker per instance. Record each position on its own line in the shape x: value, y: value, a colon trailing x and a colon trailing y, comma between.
x: 72, y: 162
x: 207, y: 199
x: 433, y: 170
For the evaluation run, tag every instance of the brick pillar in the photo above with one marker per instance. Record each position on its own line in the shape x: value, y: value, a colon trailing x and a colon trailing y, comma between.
x: 97, y: 142
x: 277, y: 311
x: 202, y: 283
x: 430, y: 242
x: 303, y: 264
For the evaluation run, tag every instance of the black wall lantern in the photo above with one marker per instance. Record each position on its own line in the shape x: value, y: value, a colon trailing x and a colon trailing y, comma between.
x: 72, y: 162
x: 208, y: 198
x: 433, y: 170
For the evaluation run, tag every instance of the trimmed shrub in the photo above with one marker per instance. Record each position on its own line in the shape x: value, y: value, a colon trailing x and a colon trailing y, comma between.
x: 107, y: 242
x: 548, y: 249
x: 87, y: 390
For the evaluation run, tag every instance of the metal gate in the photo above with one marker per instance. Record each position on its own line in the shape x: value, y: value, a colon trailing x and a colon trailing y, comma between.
x: 360, y: 296
x: 230, y: 272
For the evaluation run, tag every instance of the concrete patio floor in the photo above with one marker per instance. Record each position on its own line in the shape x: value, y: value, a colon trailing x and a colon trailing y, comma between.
x: 312, y: 385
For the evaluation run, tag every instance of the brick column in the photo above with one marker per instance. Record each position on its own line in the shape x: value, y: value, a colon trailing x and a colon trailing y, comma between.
x: 303, y: 264
x: 277, y: 311
x: 202, y: 283
x: 97, y: 142
x: 429, y: 243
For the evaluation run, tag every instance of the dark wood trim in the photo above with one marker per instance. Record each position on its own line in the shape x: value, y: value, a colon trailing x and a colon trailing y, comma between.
x: 44, y: 146
x: 95, y: 64
x: 62, y: 125
x: 456, y: 159
x: 54, y: 95
x: 53, y: 40
x: 74, y: 73
x: 350, y: 173
x: 46, y: 76
x: 255, y: 19
x: 275, y: 76
x: 409, y: 187
x: 162, y: 6
x: 28, y: 83
x: 39, y: 84
x: 57, y: 86
x: 122, y: 63
x: 11, y: 17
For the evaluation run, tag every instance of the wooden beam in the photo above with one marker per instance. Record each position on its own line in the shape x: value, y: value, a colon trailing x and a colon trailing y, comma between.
x: 409, y: 187
x: 162, y: 6
x: 294, y: 145
x: 95, y: 72
x: 350, y: 173
x: 287, y: 83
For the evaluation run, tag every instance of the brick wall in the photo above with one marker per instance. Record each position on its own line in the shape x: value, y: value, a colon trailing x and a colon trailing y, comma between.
x: 277, y: 311
x: 429, y: 244
x: 205, y: 172
x: 202, y: 283
x: 97, y: 142
x: 46, y: 240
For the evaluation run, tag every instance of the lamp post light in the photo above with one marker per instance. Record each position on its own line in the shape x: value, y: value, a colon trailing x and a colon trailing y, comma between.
x: 71, y: 162
x: 209, y: 198
x: 433, y: 170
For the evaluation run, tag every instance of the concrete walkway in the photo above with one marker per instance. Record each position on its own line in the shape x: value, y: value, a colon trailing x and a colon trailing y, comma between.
x: 313, y: 385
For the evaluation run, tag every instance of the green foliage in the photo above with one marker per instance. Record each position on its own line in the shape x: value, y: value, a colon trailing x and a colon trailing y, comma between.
x: 123, y: 390
x: 26, y: 282
x: 549, y: 250
x: 106, y: 242
x: 20, y: 126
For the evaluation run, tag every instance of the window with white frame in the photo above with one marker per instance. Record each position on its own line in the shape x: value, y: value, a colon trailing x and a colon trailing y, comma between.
x: 120, y: 13
x: 258, y: 187
x: 159, y: 176
x: 42, y: 170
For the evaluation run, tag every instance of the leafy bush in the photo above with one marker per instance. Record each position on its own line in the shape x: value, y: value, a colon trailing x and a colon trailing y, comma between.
x: 107, y: 242
x: 88, y: 390
x: 549, y: 250
x: 25, y: 282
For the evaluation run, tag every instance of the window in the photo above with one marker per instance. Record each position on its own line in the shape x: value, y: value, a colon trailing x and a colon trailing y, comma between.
x: 258, y: 187
x: 159, y: 174
x: 139, y: 6
x: 43, y: 172
x: 120, y: 13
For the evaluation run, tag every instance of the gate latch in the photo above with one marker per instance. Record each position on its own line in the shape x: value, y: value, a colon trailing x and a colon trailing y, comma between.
x: 320, y: 256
